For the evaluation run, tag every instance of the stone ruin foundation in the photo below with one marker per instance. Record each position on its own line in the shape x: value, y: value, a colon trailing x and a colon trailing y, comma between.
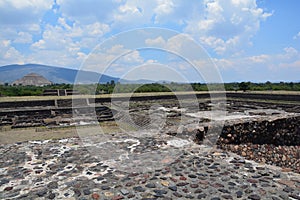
x: 267, y: 132
x: 246, y: 122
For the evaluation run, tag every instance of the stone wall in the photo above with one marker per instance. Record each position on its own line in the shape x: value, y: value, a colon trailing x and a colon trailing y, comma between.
x: 86, y: 101
x: 281, y: 97
x: 22, y: 104
x: 72, y: 102
x: 282, y: 131
x: 53, y: 116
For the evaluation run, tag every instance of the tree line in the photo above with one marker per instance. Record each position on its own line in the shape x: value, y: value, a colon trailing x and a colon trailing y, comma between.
x: 112, y: 87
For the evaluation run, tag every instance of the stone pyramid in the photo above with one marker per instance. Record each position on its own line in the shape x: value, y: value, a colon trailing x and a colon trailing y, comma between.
x: 32, y: 79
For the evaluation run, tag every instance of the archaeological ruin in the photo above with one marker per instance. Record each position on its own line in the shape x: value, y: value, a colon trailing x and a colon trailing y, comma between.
x: 184, y: 146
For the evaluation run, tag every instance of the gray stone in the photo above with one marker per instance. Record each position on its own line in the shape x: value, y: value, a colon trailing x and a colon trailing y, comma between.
x: 41, y: 193
x: 105, y: 187
x: 160, y: 193
x: 275, y: 198
x: 124, y: 191
x: 182, y: 184
x: 4, y: 181
x: 239, y: 194
x: 176, y: 194
x: 150, y: 185
x: 288, y: 189
x: 51, y: 196
x: 173, y: 188
x: 139, y: 189
x: 254, y: 197
x: 192, y: 176
x: 201, y: 196
x: 86, y: 191
x: 52, y: 185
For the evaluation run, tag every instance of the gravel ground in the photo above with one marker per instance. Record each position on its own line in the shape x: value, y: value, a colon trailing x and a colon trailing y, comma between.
x: 64, y: 169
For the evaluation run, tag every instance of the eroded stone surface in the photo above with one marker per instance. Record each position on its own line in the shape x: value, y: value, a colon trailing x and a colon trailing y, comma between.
x: 60, y: 169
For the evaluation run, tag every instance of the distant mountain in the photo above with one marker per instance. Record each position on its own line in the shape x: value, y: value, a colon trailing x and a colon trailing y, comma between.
x: 140, y: 81
x: 10, y: 73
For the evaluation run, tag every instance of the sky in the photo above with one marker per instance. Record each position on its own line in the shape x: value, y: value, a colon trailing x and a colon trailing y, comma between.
x: 175, y: 40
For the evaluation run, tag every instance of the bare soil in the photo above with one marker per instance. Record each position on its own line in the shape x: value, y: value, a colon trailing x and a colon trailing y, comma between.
x: 10, y: 136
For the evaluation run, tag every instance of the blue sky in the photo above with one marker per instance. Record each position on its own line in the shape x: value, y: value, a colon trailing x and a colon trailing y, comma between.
x: 247, y: 40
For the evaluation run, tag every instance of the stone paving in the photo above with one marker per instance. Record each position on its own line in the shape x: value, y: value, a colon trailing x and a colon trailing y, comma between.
x: 66, y: 169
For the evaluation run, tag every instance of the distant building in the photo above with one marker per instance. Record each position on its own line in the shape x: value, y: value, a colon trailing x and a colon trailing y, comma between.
x: 32, y: 79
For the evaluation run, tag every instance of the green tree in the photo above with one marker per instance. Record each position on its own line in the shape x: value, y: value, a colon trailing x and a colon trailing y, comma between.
x: 244, y: 86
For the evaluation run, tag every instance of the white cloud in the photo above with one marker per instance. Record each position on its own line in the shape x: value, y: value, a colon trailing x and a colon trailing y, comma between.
x: 259, y: 59
x: 38, y: 4
x: 224, y: 63
x: 9, y: 54
x: 89, y: 11
x: 149, y: 72
x: 23, y: 37
x: 6, y: 43
x: 19, y: 21
x: 227, y: 26
x: 23, y: 12
x: 114, y: 59
x: 133, y: 14
x: 96, y: 29
x: 187, y: 57
x: 260, y: 68
x: 163, y: 9
x: 290, y: 52
x: 62, y: 21
x: 117, y: 50
x: 69, y: 39
x: 39, y: 45
x: 176, y: 43
x: 222, y: 25
x: 53, y: 38
x: 295, y: 64
x: 289, y: 57
x: 297, y: 36
x: 122, y: 15
x: 56, y: 48
x: 21, y: 34
x: 151, y: 61
x: 159, y: 41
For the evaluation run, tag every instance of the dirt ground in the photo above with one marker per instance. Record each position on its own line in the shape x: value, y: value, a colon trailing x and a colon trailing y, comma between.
x: 10, y: 136
x: 31, y: 98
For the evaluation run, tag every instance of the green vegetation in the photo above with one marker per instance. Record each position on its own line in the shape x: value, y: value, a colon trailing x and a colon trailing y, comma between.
x: 6, y: 90
x: 112, y: 87
x: 244, y: 86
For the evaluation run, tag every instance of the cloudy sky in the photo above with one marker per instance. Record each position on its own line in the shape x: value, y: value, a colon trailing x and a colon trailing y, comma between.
x: 243, y: 39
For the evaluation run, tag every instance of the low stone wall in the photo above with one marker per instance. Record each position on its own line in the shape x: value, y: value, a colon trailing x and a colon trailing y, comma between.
x: 280, y: 97
x: 54, y: 116
x: 281, y: 131
x: 21, y: 104
x: 72, y: 102
x: 86, y: 101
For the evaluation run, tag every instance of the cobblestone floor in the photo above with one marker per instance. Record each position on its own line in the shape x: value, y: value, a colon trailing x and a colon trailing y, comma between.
x: 65, y: 169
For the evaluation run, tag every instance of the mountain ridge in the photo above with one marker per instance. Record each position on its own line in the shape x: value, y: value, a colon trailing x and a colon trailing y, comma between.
x: 10, y: 73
